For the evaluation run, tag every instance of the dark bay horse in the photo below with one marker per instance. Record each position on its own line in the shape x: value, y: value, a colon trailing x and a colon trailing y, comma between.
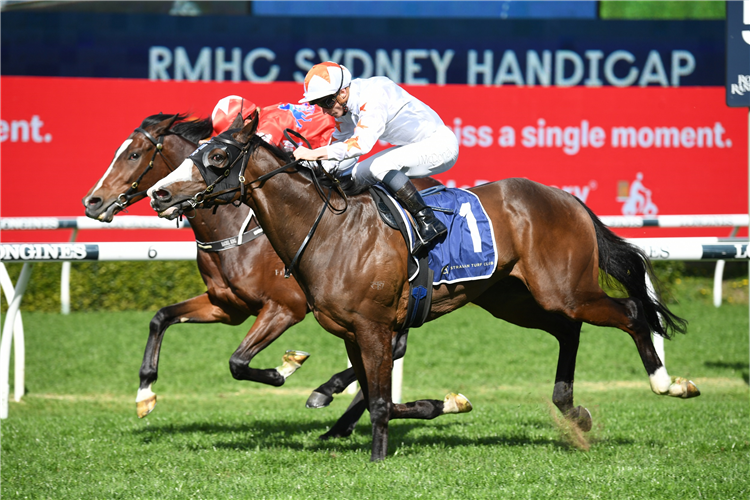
x: 353, y: 271
x: 242, y: 281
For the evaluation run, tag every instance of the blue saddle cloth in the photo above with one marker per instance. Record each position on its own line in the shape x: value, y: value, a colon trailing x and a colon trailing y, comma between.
x: 469, y: 251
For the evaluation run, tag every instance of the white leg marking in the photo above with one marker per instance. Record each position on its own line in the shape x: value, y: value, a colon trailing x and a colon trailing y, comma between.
x: 144, y: 394
x: 660, y: 381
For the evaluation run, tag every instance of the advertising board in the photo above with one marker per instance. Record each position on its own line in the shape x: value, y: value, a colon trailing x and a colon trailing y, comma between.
x: 630, y: 151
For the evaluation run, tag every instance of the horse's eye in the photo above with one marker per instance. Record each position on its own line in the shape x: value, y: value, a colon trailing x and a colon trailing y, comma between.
x: 134, y: 156
x: 216, y: 158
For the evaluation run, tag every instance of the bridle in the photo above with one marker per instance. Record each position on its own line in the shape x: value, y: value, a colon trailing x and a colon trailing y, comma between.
x: 124, y: 199
x: 207, y: 195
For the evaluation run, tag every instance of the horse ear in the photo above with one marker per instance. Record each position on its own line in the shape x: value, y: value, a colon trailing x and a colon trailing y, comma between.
x: 244, y: 135
x: 237, y: 123
x: 164, y: 125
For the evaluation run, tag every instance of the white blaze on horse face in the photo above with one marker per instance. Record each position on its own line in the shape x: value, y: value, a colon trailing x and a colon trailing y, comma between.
x: 122, y: 148
x: 181, y: 174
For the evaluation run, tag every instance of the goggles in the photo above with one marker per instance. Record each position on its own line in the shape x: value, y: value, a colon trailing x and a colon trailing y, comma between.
x: 326, y: 102
x: 329, y: 101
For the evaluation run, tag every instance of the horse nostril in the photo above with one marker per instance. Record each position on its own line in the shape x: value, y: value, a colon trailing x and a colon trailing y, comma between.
x: 162, y: 194
x: 94, y: 202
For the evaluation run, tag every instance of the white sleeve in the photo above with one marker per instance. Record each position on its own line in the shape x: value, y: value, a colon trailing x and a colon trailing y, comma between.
x: 373, y: 115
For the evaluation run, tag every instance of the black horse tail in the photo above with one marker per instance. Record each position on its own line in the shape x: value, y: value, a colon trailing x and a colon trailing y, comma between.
x: 629, y: 265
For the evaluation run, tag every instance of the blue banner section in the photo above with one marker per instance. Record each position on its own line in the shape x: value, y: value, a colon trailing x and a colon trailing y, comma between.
x: 409, y: 51
x: 578, y: 9
x: 738, y: 55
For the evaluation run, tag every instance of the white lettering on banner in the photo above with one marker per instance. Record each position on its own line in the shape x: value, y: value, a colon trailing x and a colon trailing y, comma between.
x: 161, y: 59
x: 41, y: 251
x: 470, y: 136
x: 400, y: 66
x: 569, y: 68
x: 23, y: 130
x: 670, y: 137
x: 573, y: 138
x: 742, y: 85
x: 562, y: 68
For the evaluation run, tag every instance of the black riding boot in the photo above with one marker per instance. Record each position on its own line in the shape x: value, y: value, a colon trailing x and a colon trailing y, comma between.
x: 428, y: 226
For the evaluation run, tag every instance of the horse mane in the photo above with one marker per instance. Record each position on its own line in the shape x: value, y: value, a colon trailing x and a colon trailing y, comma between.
x: 191, y: 130
x: 257, y: 140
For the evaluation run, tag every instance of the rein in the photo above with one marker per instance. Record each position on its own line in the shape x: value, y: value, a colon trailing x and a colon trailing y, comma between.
x: 207, y: 194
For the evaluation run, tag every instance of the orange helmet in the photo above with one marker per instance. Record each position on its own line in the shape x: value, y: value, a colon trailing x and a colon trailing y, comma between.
x: 227, y: 109
x: 324, y: 79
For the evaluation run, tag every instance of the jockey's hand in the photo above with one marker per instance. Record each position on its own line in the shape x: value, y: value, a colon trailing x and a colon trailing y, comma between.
x: 303, y: 153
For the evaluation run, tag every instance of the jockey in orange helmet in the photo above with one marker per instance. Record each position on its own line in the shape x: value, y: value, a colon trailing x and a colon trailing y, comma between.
x: 308, y: 120
x: 367, y: 110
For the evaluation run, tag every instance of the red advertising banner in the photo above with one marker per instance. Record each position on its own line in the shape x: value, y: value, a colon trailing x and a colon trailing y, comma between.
x: 632, y: 151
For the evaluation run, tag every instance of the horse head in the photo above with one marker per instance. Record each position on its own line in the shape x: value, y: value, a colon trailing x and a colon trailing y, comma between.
x: 214, y: 174
x: 148, y: 154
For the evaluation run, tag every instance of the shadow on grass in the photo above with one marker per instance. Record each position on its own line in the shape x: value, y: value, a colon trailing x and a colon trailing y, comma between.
x: 742, y: 367
x: 303, y: 435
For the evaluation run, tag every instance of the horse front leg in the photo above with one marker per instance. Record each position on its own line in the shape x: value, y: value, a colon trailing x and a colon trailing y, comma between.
x: 272, y: 320
x: 323, y: 395
x: 196, y: 310
x: 373, y: 365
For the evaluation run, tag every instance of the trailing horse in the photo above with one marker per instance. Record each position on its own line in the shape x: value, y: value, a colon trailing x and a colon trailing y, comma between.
x: 353, y: 271
x: 242, y: 279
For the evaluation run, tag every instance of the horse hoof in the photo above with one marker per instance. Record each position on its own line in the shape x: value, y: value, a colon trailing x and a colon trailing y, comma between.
x: 684, y: 388
x: 335, y: 434
x: 581, y: 417
x: 456, y: 403
x: 146, y: 406
x: 318, y: 400
x: 295, y: 357
x: 291, y: 361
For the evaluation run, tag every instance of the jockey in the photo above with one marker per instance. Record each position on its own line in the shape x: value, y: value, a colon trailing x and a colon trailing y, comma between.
x: 312, y: 123
x: 376, y: 108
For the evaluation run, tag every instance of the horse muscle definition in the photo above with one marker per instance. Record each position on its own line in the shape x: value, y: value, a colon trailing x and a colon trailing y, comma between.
x: 549, y: 256
x: 242, y: 281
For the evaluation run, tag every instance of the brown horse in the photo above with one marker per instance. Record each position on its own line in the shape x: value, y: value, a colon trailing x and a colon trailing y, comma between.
x: 354, y: 269
x: 242, y: 280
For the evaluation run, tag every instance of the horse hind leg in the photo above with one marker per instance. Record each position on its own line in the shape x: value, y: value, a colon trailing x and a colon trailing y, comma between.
x: 562, y: 395
x: 423, y: 409
x: 511, y: 300
x: 627, y: 314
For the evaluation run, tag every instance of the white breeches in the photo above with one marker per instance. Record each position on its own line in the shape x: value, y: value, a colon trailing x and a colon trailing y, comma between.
x: 430, y: 156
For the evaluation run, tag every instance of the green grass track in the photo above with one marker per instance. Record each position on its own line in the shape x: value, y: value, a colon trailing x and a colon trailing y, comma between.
x: 75, y: 435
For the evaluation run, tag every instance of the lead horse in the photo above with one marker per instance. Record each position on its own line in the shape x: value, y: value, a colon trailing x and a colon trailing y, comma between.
x: 242, y: 280
x: 353, y: 270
